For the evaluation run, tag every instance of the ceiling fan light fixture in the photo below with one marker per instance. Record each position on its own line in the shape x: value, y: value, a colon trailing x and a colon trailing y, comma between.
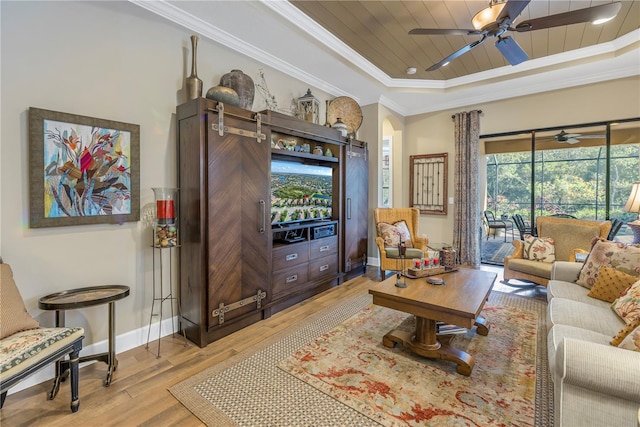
x: 488, y: 15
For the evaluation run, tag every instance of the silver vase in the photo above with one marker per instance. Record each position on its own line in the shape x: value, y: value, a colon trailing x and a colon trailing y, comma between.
x: 193, y: 83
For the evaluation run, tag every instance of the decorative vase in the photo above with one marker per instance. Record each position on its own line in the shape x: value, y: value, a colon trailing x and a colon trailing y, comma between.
x: 193, y: 83
x: 242, y: 84
x: 341, y: 126
x: 165, y: 232
x: 224, y: 94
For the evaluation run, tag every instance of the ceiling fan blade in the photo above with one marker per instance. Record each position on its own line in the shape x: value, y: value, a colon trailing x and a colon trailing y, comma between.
x: 590, y: 136
x: 511, y: 50
x: 513, y: 9
x: 572, y: 141
x: 456, y: 54
x: 589, y: 14
x: 444, y: 32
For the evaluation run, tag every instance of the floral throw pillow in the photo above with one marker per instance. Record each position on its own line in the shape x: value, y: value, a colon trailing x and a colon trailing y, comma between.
x: 627, y: 306
x: 541, y: 249
x: 632, y: 340
x: 625, y: 258
x: 392, y: 234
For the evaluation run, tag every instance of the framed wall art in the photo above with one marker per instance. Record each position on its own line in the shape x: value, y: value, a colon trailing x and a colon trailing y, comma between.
x: 428, y: 183
x: 82, y: 170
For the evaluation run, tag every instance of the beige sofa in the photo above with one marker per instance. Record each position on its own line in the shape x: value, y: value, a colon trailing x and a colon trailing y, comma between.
x: 570, y: 236
x: 595, y: 383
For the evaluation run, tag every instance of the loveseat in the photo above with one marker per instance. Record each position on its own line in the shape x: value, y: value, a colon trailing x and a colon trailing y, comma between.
x: 566, y: 237
x: 595, y: 382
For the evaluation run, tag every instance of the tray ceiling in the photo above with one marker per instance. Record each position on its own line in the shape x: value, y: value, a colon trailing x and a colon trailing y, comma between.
x: 378, y: 31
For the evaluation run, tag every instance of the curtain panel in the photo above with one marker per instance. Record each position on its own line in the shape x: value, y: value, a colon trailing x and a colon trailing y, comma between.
x: 467, y: 225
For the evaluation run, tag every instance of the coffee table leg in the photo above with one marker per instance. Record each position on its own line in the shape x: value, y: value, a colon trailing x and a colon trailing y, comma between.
x: 424, y: 342
x: 483, y: 326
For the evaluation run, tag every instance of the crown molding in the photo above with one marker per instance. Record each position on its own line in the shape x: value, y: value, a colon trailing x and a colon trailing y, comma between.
x: 206, y: 29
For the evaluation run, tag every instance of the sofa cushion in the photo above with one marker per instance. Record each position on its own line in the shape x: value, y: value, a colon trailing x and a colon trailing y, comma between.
x: 568, y: 236
x: 610, y: 284
x: 601, y: 319
x: 13, y: 313
x: 627, y: 306
x: 625, y: 331
x: 541, y: 249
x: 560, y: 332
x: 567, y: 290
x: 540, y: 269
x: 393, y: 233
x: 623, y: 257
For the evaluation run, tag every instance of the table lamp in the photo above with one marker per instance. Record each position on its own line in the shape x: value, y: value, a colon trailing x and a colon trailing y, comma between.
x: 633, y: 205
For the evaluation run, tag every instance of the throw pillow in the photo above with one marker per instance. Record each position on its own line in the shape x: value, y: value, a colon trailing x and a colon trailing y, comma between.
x: 625, y: 331
x: 541, y: 249
x: 13, y: 314
x: 393, y: 233
x: 627, y: 306
x: 632, y: 340
x: 625, y: 258
x: 610, y: 284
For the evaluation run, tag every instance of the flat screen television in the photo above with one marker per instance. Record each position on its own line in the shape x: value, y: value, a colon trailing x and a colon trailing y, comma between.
x: 300, y: 192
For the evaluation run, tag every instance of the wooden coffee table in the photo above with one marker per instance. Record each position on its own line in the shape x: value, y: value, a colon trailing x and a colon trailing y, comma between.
x: 459, y: 301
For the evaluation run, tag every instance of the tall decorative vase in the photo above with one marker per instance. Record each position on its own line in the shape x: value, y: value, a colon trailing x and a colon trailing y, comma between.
x: 242, y: 84
x: 193, y: 83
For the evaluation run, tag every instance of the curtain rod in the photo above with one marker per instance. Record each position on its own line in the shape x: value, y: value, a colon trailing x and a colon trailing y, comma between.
x: 479, y: 112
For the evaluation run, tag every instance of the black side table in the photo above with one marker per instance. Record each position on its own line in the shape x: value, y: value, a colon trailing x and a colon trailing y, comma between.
x: 80, y: 298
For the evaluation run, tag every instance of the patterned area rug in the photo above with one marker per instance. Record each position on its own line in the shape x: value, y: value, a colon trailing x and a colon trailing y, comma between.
x: 250, y: 390
x: 396, y: 388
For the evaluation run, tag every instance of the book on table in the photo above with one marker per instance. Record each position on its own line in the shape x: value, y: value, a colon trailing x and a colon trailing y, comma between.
x: 447, y: 328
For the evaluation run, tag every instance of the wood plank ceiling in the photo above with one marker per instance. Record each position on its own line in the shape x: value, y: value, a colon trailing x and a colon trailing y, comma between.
x: 378, y: 31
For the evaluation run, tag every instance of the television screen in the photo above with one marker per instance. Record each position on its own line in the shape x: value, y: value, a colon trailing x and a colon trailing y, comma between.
x: 300, y: 192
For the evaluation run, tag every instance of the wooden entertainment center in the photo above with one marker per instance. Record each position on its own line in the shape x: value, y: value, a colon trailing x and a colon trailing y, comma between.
x: 238, y: 262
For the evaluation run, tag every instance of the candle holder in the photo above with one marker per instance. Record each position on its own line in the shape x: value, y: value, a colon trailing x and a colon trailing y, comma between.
x: 165, y: 232
x: 400, y: 274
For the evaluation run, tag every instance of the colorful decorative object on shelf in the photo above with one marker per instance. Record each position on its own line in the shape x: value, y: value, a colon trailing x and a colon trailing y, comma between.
x: 165, y: 232
x: 309, y: 108
x: 193, y: 83
x: 242, y: 84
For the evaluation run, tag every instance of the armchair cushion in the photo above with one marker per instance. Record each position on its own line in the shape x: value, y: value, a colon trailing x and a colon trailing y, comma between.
x: 13, y: 313
x: 392, y: 234
x: 567, y: 235
x: 541, y: 249
x: 623, y: 257
x: 610, y: 284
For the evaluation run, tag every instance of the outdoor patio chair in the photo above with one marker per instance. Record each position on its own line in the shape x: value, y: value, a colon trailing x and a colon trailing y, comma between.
x: 497, y: 224
x: 523, y: 226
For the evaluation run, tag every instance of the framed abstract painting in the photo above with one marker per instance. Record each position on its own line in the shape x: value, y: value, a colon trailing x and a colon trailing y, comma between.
x: 82, y: 170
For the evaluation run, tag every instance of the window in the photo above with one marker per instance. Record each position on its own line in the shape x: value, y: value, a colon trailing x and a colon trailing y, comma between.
x: 386, y: 172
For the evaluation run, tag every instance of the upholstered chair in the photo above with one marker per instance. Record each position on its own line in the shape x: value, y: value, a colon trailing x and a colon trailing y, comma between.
x: 389, y: 220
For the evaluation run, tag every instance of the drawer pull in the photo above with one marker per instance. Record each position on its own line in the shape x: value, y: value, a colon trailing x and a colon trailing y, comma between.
x: 291, y: 278
x: 291, y: 257
x: 324, y: 248
x: 324, y: 267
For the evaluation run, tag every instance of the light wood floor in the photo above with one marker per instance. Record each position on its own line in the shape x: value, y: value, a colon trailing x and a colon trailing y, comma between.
x: 138, y: 394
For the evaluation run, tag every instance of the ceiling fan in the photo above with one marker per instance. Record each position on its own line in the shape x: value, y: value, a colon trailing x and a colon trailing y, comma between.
x: 500, y: 15
x: 573, y: 138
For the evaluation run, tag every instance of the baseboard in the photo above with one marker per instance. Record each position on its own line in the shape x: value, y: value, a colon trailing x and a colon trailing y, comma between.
x: 124, y: 342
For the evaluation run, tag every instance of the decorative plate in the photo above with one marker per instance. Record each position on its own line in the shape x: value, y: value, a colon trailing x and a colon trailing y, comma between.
x: 347, y: 110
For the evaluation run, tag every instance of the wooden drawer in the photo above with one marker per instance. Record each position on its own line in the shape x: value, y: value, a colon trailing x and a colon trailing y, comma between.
x: 322, y: 267
x: 289, y: 255
x: 286, y: 281
x: 322, y: 247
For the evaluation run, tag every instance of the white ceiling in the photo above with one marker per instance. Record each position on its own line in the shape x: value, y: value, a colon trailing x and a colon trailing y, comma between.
x: 279, y: 35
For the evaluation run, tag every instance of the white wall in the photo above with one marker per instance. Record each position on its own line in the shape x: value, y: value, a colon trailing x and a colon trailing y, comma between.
x: 433, y: 133
x: 109, y: 60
